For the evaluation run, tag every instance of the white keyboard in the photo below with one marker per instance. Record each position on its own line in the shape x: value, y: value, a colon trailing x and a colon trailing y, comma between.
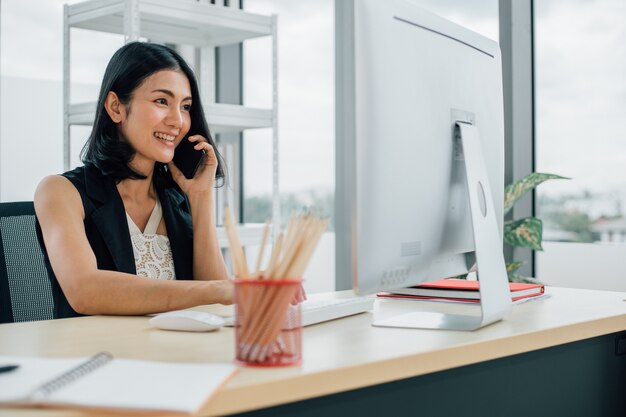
x: 318, y: 311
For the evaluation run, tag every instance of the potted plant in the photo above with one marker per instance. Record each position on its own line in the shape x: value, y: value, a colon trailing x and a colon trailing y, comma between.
x: 526, y: 232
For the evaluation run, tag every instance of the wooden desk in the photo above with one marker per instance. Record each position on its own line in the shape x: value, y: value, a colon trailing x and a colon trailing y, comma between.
x: 545, y: 348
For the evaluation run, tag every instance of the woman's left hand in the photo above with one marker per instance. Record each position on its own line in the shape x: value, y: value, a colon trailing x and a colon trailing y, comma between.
x: 300, y: 296
x: 204, y: 180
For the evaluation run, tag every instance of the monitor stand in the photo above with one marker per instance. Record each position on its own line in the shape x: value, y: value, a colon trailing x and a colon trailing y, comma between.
x: 495, y: 299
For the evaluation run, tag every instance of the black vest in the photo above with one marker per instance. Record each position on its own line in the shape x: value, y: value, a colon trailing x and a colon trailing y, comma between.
x: 107, y: 230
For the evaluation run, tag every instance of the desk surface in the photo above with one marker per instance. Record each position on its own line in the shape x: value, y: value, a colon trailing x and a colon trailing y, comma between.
x: 338, y: 356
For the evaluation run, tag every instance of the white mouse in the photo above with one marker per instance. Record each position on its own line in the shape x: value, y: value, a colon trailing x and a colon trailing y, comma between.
x: 187, y: 320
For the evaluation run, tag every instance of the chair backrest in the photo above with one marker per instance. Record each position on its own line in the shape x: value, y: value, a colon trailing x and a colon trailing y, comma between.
x: 25, y: 290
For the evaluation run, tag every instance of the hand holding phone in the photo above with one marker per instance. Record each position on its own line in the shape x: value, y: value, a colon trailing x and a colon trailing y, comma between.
x: 187, y: 159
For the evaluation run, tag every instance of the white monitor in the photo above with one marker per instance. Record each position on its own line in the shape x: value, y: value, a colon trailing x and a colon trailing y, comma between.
x: 411, y: 84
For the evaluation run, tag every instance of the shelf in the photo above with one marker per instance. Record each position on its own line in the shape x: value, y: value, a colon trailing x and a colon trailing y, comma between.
x: 204, y: 26
x: 250, y: 234
x: 222, y: 118
x: 183, y: 21
x: 82, y: 114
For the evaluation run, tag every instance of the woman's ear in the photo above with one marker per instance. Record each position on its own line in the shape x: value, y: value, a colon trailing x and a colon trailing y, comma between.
x: 115, y: 108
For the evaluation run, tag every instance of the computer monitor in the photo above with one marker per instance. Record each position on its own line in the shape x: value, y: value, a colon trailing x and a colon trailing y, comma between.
x: 420, y: 116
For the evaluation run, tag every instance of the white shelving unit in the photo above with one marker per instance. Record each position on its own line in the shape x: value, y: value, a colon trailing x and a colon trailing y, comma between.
x: 204, y: 26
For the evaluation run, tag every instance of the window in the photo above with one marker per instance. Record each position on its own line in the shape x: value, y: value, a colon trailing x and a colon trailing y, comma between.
x: 580, y: 102
x: 305, y: 108
x: 306, y: 113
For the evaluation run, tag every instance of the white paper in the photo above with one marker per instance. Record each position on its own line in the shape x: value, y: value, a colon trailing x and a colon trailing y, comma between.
x: 120, y: 384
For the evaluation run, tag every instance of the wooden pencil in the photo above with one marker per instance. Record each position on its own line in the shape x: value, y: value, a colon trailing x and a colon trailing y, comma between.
x: 259, y: 259
x: 263, y: 310
x: 292, y: 251
x: 274, y: 257
x: 236, y: 247
x: 267, y: 329
x: 265, y: 305
x: 298, y: 267
x: 256, y: 299
x: 231, y: 233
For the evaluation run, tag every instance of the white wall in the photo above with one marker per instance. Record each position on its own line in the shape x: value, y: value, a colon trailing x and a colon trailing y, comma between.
x: 31, y: 133
x: 583, y: 265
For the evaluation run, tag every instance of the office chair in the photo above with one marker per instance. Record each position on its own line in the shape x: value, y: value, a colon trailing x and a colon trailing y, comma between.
x: 25, y: 291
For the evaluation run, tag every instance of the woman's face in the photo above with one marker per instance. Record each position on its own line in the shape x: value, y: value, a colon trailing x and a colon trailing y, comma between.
x: 157, y: 118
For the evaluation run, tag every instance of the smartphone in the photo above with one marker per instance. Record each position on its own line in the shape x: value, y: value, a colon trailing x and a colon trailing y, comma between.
x: 188, y: 159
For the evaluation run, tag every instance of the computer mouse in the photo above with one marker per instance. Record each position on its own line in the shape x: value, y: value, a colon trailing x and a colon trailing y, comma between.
x: 187, y: 321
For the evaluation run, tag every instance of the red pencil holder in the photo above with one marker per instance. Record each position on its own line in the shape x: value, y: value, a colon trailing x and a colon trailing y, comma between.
x: 268, y: 326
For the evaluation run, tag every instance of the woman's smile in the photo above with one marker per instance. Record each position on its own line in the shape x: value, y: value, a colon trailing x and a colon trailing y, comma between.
x: 165, y: 139
x: 165, y: 136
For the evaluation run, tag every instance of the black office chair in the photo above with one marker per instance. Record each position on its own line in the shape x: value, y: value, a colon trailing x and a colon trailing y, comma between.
x: 25, y: 291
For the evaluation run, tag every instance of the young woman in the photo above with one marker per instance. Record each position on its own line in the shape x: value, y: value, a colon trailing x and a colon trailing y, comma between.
x: 127, y: 233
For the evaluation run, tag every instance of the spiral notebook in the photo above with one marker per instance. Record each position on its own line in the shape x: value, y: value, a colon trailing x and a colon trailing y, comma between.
x: 107, y: 383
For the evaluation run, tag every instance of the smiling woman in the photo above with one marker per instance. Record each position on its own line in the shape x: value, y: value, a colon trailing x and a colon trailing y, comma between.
x: 129, y: 213
x: 160, y: 112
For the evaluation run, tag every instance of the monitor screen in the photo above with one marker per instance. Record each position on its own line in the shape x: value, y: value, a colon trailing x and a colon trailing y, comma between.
x: 402, y: 208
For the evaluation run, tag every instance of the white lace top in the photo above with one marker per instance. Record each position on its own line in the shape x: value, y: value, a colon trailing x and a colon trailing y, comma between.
x: 153, y: 254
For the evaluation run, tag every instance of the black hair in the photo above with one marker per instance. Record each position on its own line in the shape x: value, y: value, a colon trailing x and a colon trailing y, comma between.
x: 128, y: 68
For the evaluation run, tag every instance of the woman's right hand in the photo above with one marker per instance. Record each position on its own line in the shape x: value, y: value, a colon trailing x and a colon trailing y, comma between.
x: 204, y: 180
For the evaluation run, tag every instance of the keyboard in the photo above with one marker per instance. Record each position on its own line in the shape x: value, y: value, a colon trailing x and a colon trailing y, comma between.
x: 318, y: 311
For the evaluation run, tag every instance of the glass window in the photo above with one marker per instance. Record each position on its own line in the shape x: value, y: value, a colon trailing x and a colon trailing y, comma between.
x: 580, y: 103
x: 580, y: 106
x: 306, y: 113
x: 305, y: 108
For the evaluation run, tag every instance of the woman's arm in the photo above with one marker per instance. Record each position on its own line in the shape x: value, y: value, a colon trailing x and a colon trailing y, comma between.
x: 92, y: 291
x: 208, y: 263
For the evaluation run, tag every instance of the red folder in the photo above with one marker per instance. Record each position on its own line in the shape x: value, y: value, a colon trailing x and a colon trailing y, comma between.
x: 462, y: 290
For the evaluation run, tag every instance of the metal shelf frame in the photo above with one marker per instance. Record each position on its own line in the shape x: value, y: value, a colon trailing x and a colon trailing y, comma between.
x: 196, y: 23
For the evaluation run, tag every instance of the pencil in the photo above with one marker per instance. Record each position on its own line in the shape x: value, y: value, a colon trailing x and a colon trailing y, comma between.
x: 236, y: 249
x: 259, y: 259
x: 263, y: 307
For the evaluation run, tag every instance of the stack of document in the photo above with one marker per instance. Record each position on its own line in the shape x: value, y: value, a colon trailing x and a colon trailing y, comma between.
x: 461, y: 290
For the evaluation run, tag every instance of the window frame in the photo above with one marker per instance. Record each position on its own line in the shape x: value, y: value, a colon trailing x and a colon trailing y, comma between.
x: 517, y: 48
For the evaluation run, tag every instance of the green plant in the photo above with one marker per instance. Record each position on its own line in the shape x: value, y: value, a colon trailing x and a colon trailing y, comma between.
x: 526, y: 232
